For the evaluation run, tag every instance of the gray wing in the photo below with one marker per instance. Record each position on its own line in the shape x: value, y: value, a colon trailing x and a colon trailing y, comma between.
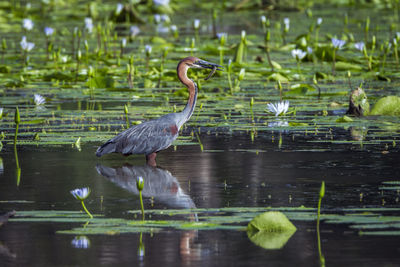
x: 145, y: 138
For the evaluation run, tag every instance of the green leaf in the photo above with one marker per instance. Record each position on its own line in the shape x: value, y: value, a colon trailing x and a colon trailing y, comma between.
x: 300, y: 89
x: 389, y: 105
x: 347, y: 66
x: 278, y: 77
x: 344, y: 119
x: 270, y: 230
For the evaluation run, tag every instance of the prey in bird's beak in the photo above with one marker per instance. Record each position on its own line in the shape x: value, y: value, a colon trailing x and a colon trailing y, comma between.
x: 207, y: 65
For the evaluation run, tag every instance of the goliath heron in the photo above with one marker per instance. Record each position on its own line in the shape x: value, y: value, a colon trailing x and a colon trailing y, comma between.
x: 152, y: 136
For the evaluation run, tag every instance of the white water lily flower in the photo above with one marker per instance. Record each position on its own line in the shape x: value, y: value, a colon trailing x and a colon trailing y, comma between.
x: 148, y: 49
x: 157, y: 18
x: 89, y: 24
x: 278, y: 108
x: 27, y: 24
x: 26, y: 46
x: 48, y: 31
x: 286, y: 21
x: 359, y: 46
x: 298, y: 54
x: 64, y: 59
x: 81, y: 242
x: 309, y: 50
x: 123, y: 42
x: 337, y: 43
x: 196, y: 23
x: 134, y: 30
x: 161, y: 2
x: 39, y: 100
x: 222, y: 34
x: 81, y: 193
x: 263, y: 19
x: 119, y: 8
x: 319, y: 21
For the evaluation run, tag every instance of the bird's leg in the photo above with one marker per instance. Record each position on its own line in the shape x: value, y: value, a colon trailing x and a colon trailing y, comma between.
x: 151, y: 159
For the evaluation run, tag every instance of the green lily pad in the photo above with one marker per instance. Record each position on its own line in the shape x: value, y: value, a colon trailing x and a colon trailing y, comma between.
x: 270, y: 230
x: 389, y: 105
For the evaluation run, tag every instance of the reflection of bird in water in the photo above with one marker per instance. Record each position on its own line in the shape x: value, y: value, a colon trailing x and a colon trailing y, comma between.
x: 4, y: 251
x: 152, y: 136
x: 158, y: 183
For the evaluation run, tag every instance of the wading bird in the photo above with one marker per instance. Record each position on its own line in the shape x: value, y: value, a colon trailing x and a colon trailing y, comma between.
x: 152, y: 136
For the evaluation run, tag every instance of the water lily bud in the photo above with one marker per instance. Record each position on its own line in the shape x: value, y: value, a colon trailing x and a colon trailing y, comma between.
x: 348, y: 74
x: 251, y: 102
x: 139, y: 183
x: 268, y: 36
x: 165, y: 52
x: 322, y: 190
x: 91, y: 71
x: 315, y: 81
x: 86, y: 45
x: 123, y: 42
x: 279, y: 85
x: 241, y: 74
x: 4, y: 44
x: 196, y: 24
x: 243, y: 35
x: 126, y: 108
x: 309, y: 13
x: 131, y: 60
x: 79, y: 55
x: 148, y: 49
x: 17, y: 118
x: 373, y: 42
x: 222, y: 39
x: 192, y: 45
x: 230, y: 65
x: 367, y: 24
x: 128, y: 68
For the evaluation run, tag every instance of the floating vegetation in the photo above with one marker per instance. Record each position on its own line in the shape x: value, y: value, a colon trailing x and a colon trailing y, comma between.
x: 234, y: 218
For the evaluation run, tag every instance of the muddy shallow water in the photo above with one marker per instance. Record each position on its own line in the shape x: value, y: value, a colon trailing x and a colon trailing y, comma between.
x: 228, y: 173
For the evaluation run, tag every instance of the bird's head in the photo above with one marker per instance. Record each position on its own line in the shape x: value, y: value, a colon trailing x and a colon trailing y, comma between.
x: 194, y: 62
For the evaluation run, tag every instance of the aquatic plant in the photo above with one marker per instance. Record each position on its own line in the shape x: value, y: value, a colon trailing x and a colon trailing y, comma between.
x: 139, y: 186
x: 337, y: 45
x: 241, y: 49
x: 279, y: 108
x: 17, y: 120
x: 298, y: 54
x: 321, y: 196
x: 81, y: 194
x: 39, y: 100
x: 286, y: 27
x: 270, y: 230
x: 222, y: 40
x: 81, y: 242
x: 27, y: 24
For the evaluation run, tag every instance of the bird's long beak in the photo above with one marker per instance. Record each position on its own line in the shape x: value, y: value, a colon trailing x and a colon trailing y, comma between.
x: 208, y: 65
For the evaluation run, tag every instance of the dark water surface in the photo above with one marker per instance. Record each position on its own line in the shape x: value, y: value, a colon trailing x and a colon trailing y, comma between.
x: 227, y: 173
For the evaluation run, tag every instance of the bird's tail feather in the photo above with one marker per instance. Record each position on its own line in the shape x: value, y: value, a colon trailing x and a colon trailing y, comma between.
x: 108, y: 147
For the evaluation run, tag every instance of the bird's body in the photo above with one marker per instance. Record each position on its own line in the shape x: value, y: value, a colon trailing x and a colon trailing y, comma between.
x: 153, y: 136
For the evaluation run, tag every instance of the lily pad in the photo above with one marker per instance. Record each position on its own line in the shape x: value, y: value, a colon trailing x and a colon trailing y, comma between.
x: 389, y: 105
x: 270, y: 230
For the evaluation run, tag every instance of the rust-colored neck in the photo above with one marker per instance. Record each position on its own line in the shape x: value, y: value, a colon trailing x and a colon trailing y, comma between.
x: 192, y: 87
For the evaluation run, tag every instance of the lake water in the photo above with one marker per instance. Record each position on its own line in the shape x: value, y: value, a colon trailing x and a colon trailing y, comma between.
x: 226, y: 173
